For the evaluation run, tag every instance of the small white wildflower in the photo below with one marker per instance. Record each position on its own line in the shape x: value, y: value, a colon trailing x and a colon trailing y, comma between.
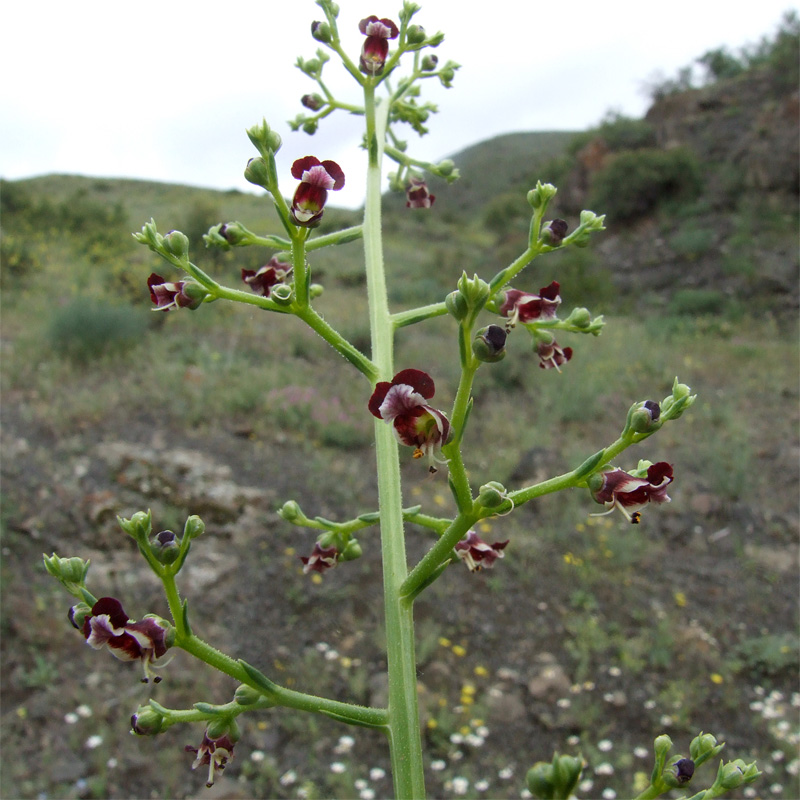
x: 438, y: 765
x: 71, y: 718
x: 482, y: 730
x: 331, y: 655
x: 793, y: 767
x: 609, y: 697
x: 776, y: 788
x: 456, y: 738
x: 586, y: 785
x: 495, y: 691
x: 84, y: 711
x: 604, y: 745
x: 614, y: 672
x: 302, y: 792
x: 481, y: 786
x: 778, y: 755
x: 542, y: 606
x: 377, y: 774
x: 796, y: 699
x: 749, y: 791
x: 759, y: 690
x: 360, y: 783
x: 94, y: 741
x: 641, y: 752
x: 649, y: 704
x: 456, y: 755
x: 112, y: 763
x: 573, y: 740
x: 506, y: 773
x: 665, y: 720
x: 345, y: 745
x: 777, y: 697
x: 288, y: 778
x: 609, y: 794
x: 588, y: 686
x: 367, y: 794
x: 338, y: 767
x: 756, y: 705
x: 473, y: 740
x: 258, y: 756
x: 525, y: 794
x: 460, y: 785
x: 322, y: 646
x: 563, y: 702
x: 604, y: 769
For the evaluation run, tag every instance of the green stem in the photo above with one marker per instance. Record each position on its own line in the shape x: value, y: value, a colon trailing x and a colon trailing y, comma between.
x: 414, y: 315
x: 404, y: 734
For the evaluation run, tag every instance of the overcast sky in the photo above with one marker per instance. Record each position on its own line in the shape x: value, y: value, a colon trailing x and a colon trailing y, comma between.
x: 164, y: 90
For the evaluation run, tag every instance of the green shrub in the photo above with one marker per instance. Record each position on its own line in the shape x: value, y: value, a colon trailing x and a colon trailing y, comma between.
x: 692, y: 302
x: 691, y: 241
x: 87, y: 329
x: 637, y: 181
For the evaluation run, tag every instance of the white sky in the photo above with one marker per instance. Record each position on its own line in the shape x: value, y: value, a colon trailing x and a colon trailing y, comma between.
x: 164, y: 90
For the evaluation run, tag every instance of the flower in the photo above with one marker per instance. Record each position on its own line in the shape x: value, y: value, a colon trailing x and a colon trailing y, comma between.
x: 181, y: 294
x: 376, y: 47
x: 525, y: 307
x: 212, y: 752
x: 476, y: 554
x: 321, y: 558
x: 271, y: 274
x: 416, y: 424
x: 623, y: 491
x: 316, y: 178
x: 417, y: 194
x: 551, y: 356
x: 107, y: 625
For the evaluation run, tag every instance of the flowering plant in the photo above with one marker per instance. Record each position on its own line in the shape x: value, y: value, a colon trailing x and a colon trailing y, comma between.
x: 401, y: 403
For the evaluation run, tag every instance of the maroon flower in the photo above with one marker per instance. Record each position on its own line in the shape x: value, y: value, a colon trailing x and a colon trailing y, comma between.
x: 376, y: 47
x: 108, y: 626
x: 416, y: 424
x: 181, y: 294
x: 214, y: 753
x: 417, y: 194
x: 316, y: 178
x: 321, y: 558
x: 476, y: 554
x: 526, y: 307
x: 625, y: 492
x: 263, y: 279
x: 551, y: 356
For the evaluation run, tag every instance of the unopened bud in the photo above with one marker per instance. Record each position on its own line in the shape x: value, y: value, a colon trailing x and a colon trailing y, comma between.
x: 541, y: 195
x: 415, y: 35
x: 489, y: 344
x: 645, y: 418
x: 553, y: 232
x: 540, y: 780
x: 146, y: 721
x: 446, y: 167
x: 256, y: 172
x: 264, y: 139
x: 314, y: 102
x: 457, y: 305
x: 703, y: 747
x: 246, y: 695
x: 352, y: 550
x: 78, y: 613
x: 429, y: 63
x: 224, y: 726
x: 290, y: 511
x: 321, y: 31
x: 679, y: 773
x: 165, y: 546
x: 194, y: 527
x: 67, y: 570
x: 177, y: 243
x: 492, y: 494
x: 282, y: 294
x: 138, y: 526
x: 310, y: 126
x: 315, y: 290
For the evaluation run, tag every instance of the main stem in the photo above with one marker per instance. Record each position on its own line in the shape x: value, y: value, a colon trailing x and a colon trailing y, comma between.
x: 404, y: 734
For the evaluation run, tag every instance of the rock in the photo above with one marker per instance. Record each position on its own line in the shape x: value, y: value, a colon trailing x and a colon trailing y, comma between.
x: 550, y: 680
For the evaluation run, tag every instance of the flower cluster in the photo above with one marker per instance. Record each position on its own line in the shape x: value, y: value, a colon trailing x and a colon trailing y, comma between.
x: 617, y: 489
x: 107, y: 625
x: 316, y: 179
x: 416, y: 424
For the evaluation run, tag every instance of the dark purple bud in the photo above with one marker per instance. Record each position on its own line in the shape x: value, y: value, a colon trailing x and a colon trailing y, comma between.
x: 314, y: 102
x: 554, y: 232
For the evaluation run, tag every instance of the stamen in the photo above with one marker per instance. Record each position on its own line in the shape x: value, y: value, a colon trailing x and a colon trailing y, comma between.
x: 418, y: 453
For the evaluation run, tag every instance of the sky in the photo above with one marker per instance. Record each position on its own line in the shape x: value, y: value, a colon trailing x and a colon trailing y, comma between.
x: 165, y: 90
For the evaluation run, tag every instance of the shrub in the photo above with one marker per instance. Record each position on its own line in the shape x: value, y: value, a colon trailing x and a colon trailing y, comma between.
x: 691, y: 302
x: 635, y: 182
x: 87, y: 329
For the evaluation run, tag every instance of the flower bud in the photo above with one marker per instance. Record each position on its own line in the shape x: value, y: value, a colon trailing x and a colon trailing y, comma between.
x: 489, y: 344
x: 703, y: 747
x: 553, y: 232
x: 457, y: 305
x: 194, y: 294
x: 224, y: 726
x: 566, y: 771
x: 579, y: 318
x: 679, y: 773
x: 290, y: 511
x: 78, y: 613
x: 321, y: 31
x: 662, y: 744
x: 282, y: 294
x: 539, y: 780
x: 475, y: 291
x: 256, y: 172
x: 246, y: 695
x: 146, y: 721
x: 731, y: 775
x: 415, y: 35
x: 429, y: 63
x: 590, y: 223
x: 645, y: 418
x: 492, y: 494
x: 310, y: 126
x: 264, y: 139
x: 314, y: 102
x: 67, y: 570
x: 446, y: 167
x: 194, y: 527
x: 177, y: 243
x: 541, y: 195
x: 352, y: 550
x: 315, y: 290
x: 139, y: 526
x: 165, y: 546
x: 233, y: 233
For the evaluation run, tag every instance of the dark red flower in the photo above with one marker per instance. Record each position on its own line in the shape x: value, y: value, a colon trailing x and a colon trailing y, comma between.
x: 108, y: 626
x: 321, y: 558
x: 316, y: 178
x: 476, y: 553
x: 376, y: 47
x: 262, y: 280
x: 526, y: 307
x: 417, y: 194
x: 181, y: 294
x: 214, y: 753
x: 620, y: 490
x: 416, y: 424
x: 551, y: 356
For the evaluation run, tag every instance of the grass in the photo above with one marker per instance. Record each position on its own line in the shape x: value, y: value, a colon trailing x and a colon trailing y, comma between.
x: 683, y: 623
